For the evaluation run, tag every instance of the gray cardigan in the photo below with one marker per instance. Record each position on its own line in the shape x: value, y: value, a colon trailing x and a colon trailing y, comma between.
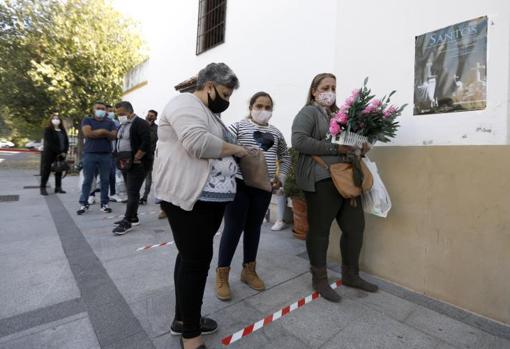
x: 309, y: 131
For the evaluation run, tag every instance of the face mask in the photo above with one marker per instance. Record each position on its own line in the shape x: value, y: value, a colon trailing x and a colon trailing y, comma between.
x: 55, y: 122
x: 218, y: 105
x: 326, y: 99
x: 123, y: 119
x: 111, y: 115
x: 100, y: 114
x: 261, y: 116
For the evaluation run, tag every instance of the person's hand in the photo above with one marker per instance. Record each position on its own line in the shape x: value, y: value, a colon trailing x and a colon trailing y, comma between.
x: 240, y: 152
x: 345, y: 149
x: 365, y: 149
x: 276, y: 183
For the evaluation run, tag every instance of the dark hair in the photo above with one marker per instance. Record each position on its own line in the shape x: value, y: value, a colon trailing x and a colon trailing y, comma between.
x: 108, y: 106
x: 256, y: 96
x: 315, y: 84
x: 153, y: 111
x: 218, y: 73
x: 126, y: 105
x: 50, y: 125
x: 100, y: 102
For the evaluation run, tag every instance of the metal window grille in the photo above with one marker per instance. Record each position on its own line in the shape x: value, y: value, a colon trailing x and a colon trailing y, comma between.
x: 211, y: 24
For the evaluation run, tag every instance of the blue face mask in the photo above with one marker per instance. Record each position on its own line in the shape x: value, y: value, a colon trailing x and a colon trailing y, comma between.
x: 111, y: 115
x: 100, y: 114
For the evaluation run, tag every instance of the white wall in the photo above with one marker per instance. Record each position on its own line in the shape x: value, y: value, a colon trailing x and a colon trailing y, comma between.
x: 275, y: 46
x: 278, y: 46
x: 377, y: 40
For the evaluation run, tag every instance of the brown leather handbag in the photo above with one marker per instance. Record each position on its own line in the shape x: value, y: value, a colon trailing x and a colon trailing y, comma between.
x: 254, y: 170
x: 350, y: 179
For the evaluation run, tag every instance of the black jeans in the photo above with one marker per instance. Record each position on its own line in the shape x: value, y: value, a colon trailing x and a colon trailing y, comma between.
x: 148, y: 184
x: 134, y: 179
x: 246, y: 213
x: 324, y: 205
x: 46, y: 160
x: 193, y: 233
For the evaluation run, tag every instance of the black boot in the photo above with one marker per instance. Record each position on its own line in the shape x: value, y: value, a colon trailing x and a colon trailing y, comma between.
x: 43, y: 191
x: 321, y: 285
x: 351, y: 278
x: 59, y: 190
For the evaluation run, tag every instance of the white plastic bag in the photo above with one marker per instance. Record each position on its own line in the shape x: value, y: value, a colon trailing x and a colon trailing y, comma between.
x: 376, y: 201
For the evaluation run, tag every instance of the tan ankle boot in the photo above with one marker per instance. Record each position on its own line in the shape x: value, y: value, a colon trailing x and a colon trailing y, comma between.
x: 249, y: 276
x: 222, y: 286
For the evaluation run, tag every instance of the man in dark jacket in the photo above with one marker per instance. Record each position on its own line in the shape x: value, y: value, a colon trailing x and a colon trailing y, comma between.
x: 134, y: 157
x: 151, y: 118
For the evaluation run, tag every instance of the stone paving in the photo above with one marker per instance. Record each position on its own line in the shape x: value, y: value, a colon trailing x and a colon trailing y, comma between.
x: 68, y: 282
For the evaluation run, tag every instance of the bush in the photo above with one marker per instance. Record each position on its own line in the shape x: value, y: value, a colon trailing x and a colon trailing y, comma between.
x: 291, y: 188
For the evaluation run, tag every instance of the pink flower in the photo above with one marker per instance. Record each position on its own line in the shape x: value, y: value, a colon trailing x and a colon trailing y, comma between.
x: 344, y: 109
x: 376, y: 102
x: 350, y: 101
x: 369, y: 109
x: 356, y: 92
x: 390, y: 111
x: 342, y: 118
x: 334, y: 127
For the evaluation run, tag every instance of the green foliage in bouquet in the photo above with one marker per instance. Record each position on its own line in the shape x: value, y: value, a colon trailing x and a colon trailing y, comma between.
x: 368, y: 116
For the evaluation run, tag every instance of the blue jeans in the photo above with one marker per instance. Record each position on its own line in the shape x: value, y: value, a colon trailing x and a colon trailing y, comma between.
x: 91, y: 161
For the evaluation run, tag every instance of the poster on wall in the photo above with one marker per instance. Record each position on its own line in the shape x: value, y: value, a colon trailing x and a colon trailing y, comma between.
x: 450, y: 69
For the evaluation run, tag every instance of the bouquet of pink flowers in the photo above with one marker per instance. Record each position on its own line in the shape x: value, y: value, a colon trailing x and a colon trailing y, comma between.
x: 365, y: 119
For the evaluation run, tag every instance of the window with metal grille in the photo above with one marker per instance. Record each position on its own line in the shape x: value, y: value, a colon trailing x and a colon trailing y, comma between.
x: 211, y: 24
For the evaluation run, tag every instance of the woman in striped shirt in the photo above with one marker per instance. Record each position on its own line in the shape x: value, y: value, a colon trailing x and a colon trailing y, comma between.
x: 246, y: 213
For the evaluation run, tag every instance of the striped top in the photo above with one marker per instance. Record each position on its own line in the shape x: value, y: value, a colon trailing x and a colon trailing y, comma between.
x: 269, y: 139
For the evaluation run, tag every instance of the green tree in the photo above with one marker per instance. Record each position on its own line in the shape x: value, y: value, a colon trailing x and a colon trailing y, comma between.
x: 62, y: 55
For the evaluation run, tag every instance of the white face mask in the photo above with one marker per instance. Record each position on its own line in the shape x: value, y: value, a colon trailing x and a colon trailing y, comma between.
x: 55, y: 122
x: 123, y: 119
x: 261, y: 116
x: 326, y: 99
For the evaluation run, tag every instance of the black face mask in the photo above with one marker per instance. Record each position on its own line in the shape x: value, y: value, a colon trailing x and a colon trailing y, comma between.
x: 218, y: 105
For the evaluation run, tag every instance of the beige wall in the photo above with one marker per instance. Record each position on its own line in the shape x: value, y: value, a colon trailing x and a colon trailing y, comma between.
x: 448, y: 233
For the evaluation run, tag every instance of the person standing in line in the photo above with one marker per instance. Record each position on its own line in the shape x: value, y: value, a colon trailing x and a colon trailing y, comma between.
x: 99, y: 131
x: 309, y: 132
x: 113, y: 181
x: 194, y: 177
x: 246, y: 212
x: 151, y: 118
x: 133, y: 139
x: 56, y: 145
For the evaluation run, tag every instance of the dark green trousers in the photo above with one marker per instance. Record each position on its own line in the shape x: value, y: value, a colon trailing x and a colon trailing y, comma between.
x: 324, y: 205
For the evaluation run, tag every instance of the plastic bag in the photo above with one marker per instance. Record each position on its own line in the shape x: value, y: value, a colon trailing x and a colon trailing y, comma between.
x: 376, y: 201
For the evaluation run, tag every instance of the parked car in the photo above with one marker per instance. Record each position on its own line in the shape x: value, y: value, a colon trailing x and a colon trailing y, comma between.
x: 34, y: 145
x: 4, y: 143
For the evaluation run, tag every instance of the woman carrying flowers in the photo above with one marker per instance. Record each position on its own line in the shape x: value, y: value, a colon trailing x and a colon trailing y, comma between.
x: 311, y: 135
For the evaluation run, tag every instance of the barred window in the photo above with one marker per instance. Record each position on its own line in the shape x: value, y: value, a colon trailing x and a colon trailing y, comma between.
x: 211, y: 24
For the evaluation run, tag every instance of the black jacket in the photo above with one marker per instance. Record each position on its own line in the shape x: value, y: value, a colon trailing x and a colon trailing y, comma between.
x: 140, y: 139
x: 52, y: 143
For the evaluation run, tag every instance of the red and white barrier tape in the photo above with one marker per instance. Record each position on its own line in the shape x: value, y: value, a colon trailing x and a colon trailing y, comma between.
x: 153, y: 246
x: 168, y: 243
x: 273, y: 317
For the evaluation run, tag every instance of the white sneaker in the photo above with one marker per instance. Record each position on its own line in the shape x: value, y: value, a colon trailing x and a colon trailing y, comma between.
x: 279, y: 225
x: 91, y: 200
x: 115, y: 198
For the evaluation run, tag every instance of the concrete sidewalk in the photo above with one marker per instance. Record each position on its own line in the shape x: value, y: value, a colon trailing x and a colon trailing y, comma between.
x: 68, y: 282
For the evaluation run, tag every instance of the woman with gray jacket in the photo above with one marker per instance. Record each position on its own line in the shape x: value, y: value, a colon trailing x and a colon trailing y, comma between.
x: 309, y: 131
x: 194, y: 174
